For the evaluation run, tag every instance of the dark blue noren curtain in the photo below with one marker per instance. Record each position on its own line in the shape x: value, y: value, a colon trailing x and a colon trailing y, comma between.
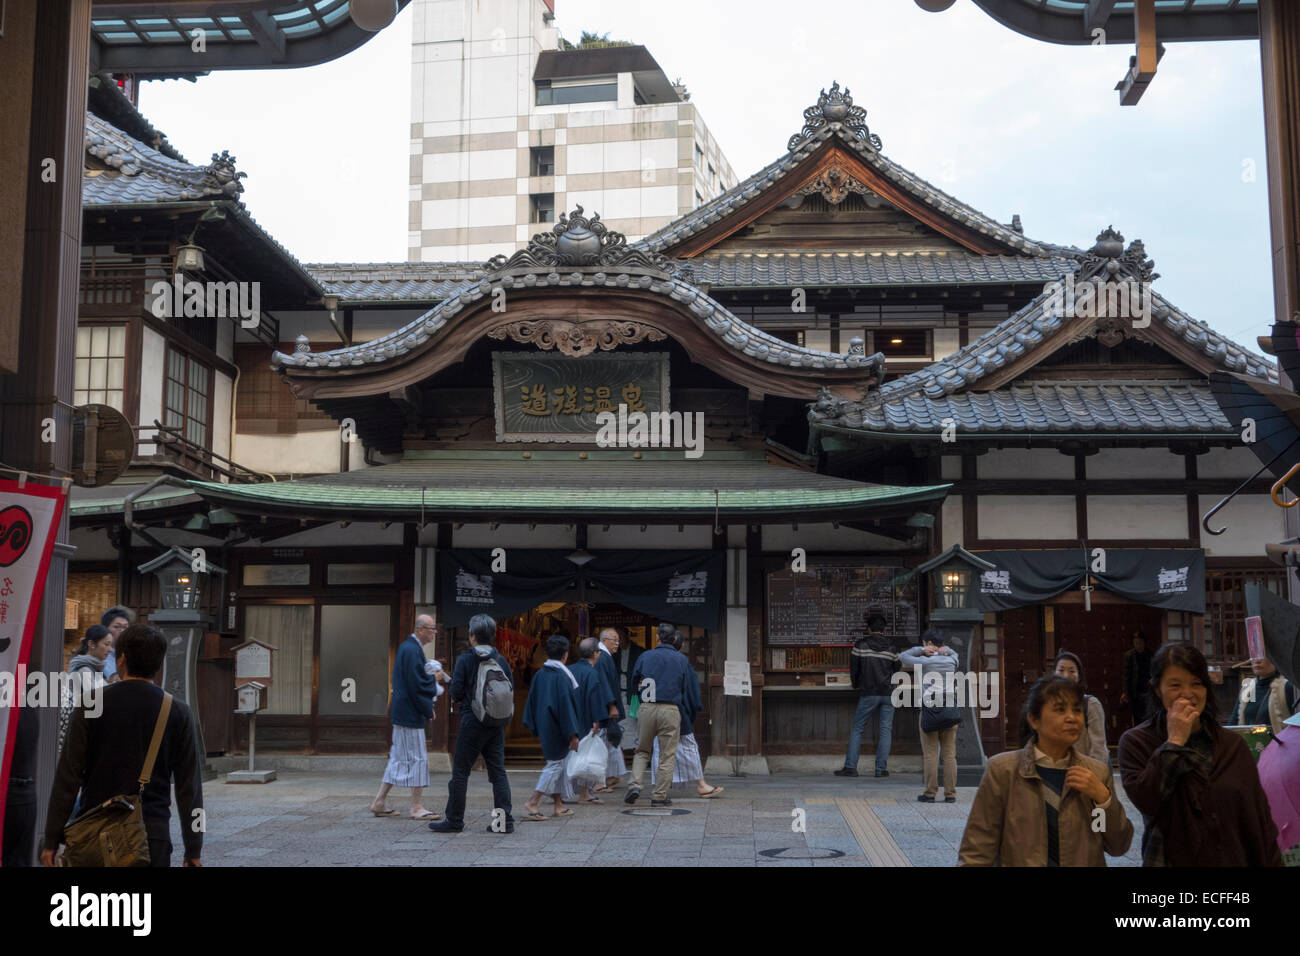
x: 1173, y: 579
x: 683, y: 587
x: 469, y: 586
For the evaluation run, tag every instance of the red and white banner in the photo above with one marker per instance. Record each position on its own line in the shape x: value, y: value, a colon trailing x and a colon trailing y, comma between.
x: 29, y: 522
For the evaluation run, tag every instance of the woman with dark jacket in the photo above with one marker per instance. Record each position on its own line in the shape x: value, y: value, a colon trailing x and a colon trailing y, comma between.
x: 1048, y: 804
x: 1194, y: 782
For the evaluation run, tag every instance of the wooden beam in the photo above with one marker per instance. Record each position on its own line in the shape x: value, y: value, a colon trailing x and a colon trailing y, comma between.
x: 1142, y: 66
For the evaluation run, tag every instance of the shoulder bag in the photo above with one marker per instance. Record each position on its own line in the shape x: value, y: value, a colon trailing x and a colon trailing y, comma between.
x: 113, y: 833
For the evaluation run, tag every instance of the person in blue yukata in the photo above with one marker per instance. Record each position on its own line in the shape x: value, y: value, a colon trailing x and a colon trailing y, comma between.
x: 595, y: 699
x: 552, y: 715
x: 417, y: 683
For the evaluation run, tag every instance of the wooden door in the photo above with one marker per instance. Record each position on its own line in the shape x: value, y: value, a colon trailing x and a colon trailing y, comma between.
x: 1099, y: 638
x: 1022, y: 664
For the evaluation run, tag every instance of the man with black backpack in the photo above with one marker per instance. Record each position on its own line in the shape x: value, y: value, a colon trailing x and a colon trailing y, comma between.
x: 482, y: 689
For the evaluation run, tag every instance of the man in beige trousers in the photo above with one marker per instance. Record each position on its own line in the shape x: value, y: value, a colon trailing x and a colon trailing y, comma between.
x: 664, y: 680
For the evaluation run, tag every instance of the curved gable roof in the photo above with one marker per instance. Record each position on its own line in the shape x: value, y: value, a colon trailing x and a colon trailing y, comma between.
x: 734, y: 201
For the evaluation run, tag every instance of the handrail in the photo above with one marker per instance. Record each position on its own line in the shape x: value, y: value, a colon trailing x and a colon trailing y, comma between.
x: 170, y: 437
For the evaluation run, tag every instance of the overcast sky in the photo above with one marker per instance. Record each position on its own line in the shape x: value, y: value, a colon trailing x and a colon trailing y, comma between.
x: 1004, y: 123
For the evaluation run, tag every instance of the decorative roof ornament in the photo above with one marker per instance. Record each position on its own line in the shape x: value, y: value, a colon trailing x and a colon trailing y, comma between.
x: 221, y: 176
x: 1108, y: 255
x: 835, y: 107
x: 578, y: 240
x: 577, y: 338
x: 835, y: 184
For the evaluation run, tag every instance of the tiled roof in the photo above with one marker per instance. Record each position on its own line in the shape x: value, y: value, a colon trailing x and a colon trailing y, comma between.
x: 139, y: 174
x: 1023, y: 331
x: 662, y: 484
x: 765, y: 179
x: 382, y: 282
x: 393, y: 281
x: 731, y: 330
x: 788, y: 269
x: 1138, y: 407
x: 919, y: 401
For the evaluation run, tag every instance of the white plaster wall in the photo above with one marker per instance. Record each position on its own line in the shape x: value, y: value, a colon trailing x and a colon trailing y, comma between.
x: 950, y: 467
x: 1135, y: 463
x: 221, y: 396
x: 1238, y: 463
x: 354, y: 535
x: 1137, y: 516
x: 307, y: 453
x: 1252, y: 522
x: 654, y: 537
x: 1027, y: 516
x: 1024, y: 463
x: 514, y: 535
x: 823, y: 537
x: 951, y: 519
x: 946, y: 341
x: 153, y: 349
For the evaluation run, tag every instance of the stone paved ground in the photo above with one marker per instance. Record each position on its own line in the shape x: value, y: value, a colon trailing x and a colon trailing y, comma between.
x: 320, y: 819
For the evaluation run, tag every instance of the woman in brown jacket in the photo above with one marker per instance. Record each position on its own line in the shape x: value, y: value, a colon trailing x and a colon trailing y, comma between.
x: 1194, y: 782
x: 1046, y: 805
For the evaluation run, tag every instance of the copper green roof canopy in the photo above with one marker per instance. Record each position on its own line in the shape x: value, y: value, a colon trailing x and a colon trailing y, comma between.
x: 662, y: 487
x: 156, y: 38
x: 1072, y: 21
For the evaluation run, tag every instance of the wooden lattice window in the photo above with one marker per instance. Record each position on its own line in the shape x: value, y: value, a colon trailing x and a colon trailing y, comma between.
x: 187, y: 394
x: 1224, y: 634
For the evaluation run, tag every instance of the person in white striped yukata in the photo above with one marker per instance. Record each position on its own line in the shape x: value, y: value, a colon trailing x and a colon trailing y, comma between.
x: 417, y: 683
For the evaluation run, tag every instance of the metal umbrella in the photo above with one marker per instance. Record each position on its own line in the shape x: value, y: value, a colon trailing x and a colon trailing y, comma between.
x: 1275, y: 412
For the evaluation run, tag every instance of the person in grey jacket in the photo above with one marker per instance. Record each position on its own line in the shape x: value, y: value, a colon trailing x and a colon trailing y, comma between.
x: 934, y: 658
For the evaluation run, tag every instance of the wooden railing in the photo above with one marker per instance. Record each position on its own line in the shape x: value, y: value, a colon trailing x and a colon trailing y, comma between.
x: 169, y: 446
x: 118, y: 290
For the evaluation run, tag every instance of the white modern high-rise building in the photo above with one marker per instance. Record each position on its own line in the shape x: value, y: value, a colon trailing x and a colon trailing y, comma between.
x: 508, y: 130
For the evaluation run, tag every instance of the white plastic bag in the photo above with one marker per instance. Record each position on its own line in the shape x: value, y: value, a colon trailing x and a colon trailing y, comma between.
x: 586, y: 765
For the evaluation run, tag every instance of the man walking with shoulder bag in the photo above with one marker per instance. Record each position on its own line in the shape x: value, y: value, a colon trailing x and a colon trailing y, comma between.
x: 106, y: 757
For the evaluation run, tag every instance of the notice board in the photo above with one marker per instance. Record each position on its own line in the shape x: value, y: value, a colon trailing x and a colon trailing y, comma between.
x: 828, y: 603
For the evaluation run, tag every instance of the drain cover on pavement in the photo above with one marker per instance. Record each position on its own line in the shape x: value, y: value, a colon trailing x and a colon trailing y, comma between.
x: 801, y: 853
x: 656, y: 812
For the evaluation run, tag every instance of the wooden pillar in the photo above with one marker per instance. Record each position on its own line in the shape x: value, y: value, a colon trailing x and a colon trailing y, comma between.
x: 46, y: 93
x: 1279, y: 42
x: 1279, y: 48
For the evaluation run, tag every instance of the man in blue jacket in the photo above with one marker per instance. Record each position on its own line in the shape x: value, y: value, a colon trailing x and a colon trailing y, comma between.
x: 665, y: 682
x: 416, y: 685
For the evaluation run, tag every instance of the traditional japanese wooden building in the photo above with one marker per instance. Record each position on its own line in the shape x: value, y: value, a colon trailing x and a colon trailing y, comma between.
x: 882, y: 372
